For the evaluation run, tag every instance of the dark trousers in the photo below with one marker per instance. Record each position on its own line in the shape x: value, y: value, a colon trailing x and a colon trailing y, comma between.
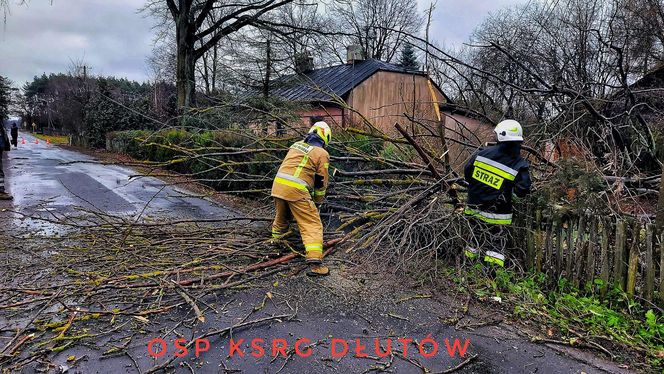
x: 2, y: 175
x: 487, y: 241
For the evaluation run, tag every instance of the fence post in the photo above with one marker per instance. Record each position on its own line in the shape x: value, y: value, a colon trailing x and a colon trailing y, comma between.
x: 633, y: 260
x: 570, y: 250
x: 592, y: 244
x: 650, y: 265
x: 538, y: 241
x: 559, y: 246
x: 530, y: 255
x: 661, y: 268
x: 606, y: 224
x: 580, y: 248
x: 547, y: 250
x: 619, y: 258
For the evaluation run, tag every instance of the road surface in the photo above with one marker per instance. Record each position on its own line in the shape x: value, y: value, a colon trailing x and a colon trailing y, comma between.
x: 44, y: 181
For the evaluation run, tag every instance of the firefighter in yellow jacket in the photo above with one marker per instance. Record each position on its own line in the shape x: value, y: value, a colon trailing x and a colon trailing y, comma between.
x: 299, y: 187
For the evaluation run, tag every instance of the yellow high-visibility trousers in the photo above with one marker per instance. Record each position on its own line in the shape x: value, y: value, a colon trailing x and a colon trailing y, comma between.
x: 308, y: 220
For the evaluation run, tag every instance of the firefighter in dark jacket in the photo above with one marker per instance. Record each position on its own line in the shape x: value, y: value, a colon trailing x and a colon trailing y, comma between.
x: 493, y: 174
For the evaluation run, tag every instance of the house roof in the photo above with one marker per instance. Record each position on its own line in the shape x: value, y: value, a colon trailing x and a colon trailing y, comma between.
x: 654, y: 78
x: 339, y: 80
x: 648, y: 85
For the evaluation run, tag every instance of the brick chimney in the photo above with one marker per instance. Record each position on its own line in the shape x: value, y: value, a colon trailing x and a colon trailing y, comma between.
x: 304, y: 63
x: 353, y: 53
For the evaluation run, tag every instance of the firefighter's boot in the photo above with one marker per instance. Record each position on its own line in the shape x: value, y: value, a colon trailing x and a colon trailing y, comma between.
x: 314, y: 258
x: 493, y: 261
x: 318, y: 270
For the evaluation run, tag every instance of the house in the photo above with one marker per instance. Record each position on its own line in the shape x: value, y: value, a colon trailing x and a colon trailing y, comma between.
x: 464, y: 131
x: 369, y: 89
x: 366, y: 93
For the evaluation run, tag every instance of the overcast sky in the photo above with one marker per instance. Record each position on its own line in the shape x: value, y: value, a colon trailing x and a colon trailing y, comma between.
x: 114, y: 39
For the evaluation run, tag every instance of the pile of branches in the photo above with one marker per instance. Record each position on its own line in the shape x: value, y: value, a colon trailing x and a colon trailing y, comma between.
x: 399, y: 208
x: 119, y: 274
x: 110, y: 272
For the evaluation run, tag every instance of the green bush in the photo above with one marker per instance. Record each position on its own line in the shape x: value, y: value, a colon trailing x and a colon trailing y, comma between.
x: 101, y: 115
x: 574, y: 186
x: 617, y: 317
x: 198, y: 153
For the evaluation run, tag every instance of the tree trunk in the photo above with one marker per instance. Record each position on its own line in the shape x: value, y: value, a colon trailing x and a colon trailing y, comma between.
x: 268, y: 68
x: 215, y: 54
x: 206, y: 74
x: 659, y: 218
x: 186, y: 61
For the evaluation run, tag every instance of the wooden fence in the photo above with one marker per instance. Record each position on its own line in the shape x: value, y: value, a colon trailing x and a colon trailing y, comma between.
x: 595, y: 251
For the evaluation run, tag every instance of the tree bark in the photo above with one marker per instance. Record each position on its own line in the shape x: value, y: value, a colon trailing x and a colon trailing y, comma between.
x: 268, y: 68
x: 186, y: 60
x: 659, y: 218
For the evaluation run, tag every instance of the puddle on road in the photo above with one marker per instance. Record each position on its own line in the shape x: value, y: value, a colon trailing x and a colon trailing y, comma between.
x: 34, y: 227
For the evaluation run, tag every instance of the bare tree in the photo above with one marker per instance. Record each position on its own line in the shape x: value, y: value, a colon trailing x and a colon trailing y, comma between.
x: 273, y: 47
x: 566, y: 69
x: 378, y: 26
x: 199, y: 26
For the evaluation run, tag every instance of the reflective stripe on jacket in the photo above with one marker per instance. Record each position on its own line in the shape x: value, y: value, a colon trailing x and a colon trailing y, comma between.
x: 492, y: 175
x: 297, y: 176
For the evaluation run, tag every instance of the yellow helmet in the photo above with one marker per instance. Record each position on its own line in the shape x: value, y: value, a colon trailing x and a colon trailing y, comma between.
x: 323, y: 130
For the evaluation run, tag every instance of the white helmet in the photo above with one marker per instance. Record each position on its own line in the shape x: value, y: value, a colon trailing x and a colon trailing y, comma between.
x: 509, y: 130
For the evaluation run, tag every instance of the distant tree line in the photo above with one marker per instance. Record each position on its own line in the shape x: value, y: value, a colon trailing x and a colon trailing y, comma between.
x: 5, y: 98
x: 89, y: 107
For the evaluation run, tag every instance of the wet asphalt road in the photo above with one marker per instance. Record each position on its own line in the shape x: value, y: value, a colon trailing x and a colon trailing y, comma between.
x: 337, y: 306
x: 43, y: 180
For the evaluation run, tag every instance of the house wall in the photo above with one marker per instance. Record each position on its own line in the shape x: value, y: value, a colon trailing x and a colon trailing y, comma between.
x: 467, y: 130
x: 385, y: 96
x: 332, y: 115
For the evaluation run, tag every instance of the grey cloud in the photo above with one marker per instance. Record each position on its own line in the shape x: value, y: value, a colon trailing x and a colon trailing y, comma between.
x: 110, y: 36
x: 454, y: 21
x: 114, y: 39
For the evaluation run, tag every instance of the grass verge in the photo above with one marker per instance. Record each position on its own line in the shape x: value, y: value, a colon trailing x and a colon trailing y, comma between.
x: 625, y: 330
x: 53, y: 139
